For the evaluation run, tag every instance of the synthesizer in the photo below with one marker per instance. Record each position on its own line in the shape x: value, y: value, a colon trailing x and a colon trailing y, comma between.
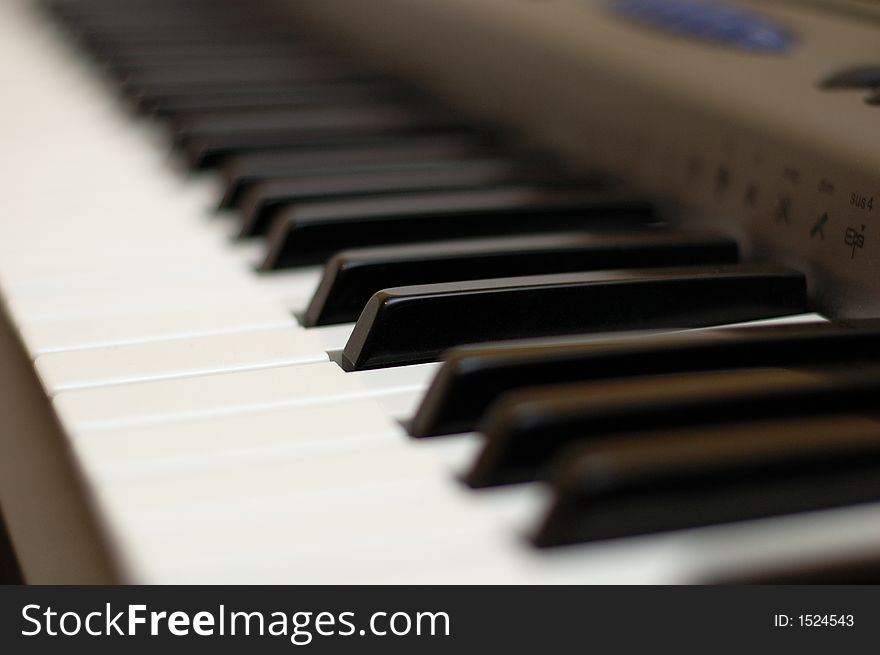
x: 440, y: 291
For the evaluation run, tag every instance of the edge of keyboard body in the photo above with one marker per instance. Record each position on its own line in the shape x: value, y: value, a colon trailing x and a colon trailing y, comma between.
x: 740, y: 139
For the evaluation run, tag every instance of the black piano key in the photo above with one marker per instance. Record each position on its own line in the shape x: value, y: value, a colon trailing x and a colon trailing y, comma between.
x: 409, y: 325
x: 267, y: 96
x: 654, y: 482
x: 353, y: 276
x: 153, y: 81
x: 265, y: 200
x: 170, y: 53
x: 163, y: 50
x: 243, y: 171
x: 472, y: 378
x: 525, y: 429
x: 296, y: 121
x: 204, y: 143
x: 157, y: 19
x: 244, y: 57
x: 274, y: 69
x: 310, y: 234
x: 152, y: 27
x: 121, y: 46
x: 859, y: 567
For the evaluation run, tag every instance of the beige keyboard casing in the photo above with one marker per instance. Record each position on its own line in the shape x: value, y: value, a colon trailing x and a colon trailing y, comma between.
x: 722, y: 135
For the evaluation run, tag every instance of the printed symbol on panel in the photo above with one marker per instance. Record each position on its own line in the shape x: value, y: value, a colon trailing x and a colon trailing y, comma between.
x: 818, y: 229
x: 855, y: 239
x: 783, y: 210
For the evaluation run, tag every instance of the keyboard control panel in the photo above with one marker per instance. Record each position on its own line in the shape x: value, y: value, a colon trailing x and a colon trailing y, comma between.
x: 746, y: 140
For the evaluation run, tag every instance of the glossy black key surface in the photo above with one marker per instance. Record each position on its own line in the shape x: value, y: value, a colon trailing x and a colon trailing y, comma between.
x: 141, y: 54
x: 311, y: 233
x: 121, y: 62
x: 525, y: 429
x: 151, y: 82
x: 243, y: 171
x: 152, y: 29
x: 652, y: 482
x: 130, y: 47
x: 205, y: 142
x: 408, y: 325
x: 257, y: 121
x: 472, y: 378
x: 266, y: 96
x: 157, y: 19
x: 265, y: 200
x: 353, y: 276
x: 860, y: 566
x: 196, y: 69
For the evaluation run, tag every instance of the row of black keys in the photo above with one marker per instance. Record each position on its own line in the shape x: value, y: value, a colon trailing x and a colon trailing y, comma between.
x: 323, y: 191
x: 642, y: 435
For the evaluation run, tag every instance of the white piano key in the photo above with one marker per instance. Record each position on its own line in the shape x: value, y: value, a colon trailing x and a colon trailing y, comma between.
x: 158, y: 269
x: 476, y: 556
x: 455, y: 451
x: 416, y: 376
x: 793, y: 319
x: 782, y: 542
x: 265, y: 477
x: 307, y: 532
x: 471, y: 539
x: 413, y: 557
x: 53, y: 261
x: 490, y: 553
x: 334, y: 337
x: 313, y: 491
x: 172, y: 446
x: 396, y: 527
x: 276, y: 522
x: 293, y: 290
x: 135, y: 327
x: 402, y: 405
x: 63, y: 285
x: 177, y: 358
x: 302, y: 281
x: 227, y: 393
x: 183, y: 295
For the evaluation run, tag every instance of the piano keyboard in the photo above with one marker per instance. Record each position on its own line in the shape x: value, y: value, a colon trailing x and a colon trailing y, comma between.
x: 408, y: 347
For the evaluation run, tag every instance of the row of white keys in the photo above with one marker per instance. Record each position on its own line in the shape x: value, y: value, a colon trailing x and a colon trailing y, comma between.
x: 46, y: 255
x: 118, y: 252
x: 364, y: 509
x: 169, y: 481
x: 230, y: 373
x: 140, y: 382
x: 285, y: 345
x: 243, y: 487
x: 145, y: 359
x: 166, y: 400
x: 58, y: 315
x: 337, y: 493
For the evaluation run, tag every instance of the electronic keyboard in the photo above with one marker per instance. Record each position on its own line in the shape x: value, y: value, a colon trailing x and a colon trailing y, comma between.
x: 440, y: 291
